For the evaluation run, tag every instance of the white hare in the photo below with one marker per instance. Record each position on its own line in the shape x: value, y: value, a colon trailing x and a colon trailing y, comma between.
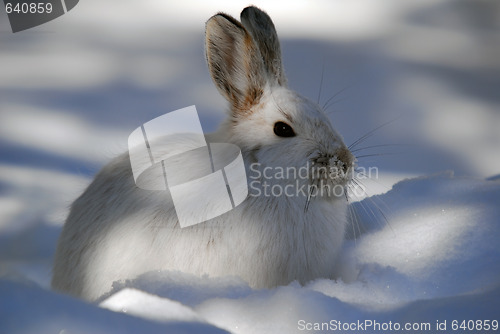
x: 291, y: 225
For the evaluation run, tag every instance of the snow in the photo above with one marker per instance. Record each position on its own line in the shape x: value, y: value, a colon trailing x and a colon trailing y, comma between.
x: 424, y: 246
x: 438, y: 251
x: 136, y: 302
x: 27, y: 308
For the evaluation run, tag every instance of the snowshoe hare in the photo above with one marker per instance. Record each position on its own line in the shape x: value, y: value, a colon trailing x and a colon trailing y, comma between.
x: 291, y: 225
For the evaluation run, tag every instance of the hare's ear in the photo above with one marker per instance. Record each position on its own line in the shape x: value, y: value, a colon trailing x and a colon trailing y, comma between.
x: 234, y: 62
x: 262, y: 29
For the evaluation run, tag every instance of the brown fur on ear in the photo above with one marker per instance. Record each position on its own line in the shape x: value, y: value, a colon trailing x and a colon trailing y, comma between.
x: 235, y: 62
x: 262, y: 29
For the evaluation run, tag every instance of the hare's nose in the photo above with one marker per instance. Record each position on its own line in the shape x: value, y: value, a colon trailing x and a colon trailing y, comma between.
x: 345, y: 155
x: 343, y: 159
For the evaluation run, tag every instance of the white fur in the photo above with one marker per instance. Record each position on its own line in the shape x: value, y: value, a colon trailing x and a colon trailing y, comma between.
x: 117, y: 231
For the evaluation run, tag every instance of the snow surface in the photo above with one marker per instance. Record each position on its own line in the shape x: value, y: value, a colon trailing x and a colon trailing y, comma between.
x: 424, y: 249
x: 435, y: 258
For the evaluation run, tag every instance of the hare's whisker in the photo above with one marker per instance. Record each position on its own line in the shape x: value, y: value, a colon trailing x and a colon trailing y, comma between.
x: 377, y: 146
x: 321, y: 81
x: 370, y: 133
x: 326, y: 105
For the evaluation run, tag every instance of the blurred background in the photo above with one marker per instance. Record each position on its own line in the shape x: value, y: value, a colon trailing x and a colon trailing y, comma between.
x: 72, y: 90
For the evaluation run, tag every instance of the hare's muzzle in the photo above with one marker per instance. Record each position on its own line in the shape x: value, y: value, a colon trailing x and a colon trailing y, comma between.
x: 333, y: 168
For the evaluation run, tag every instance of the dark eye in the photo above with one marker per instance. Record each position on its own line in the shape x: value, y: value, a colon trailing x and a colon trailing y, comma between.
x: 282, y: 129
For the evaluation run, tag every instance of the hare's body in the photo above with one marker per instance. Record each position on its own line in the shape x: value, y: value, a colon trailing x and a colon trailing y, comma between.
x: 135, y: 232
x: 117, y: 231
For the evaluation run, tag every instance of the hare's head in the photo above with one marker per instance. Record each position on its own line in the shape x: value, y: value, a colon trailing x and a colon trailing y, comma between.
x: 277, y: 129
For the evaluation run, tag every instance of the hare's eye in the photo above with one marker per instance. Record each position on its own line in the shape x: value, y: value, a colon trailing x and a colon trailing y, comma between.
x: 282, y: 129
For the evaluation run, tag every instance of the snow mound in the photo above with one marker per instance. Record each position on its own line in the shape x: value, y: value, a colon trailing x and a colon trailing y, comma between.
x: 28, y: 309
x: 434, y: 257
x: 149, y: 306
x: 430, y: 262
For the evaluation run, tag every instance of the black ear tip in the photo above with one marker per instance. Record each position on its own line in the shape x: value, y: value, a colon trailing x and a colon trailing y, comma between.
x: 255, y: 16
x: 251, y: 10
